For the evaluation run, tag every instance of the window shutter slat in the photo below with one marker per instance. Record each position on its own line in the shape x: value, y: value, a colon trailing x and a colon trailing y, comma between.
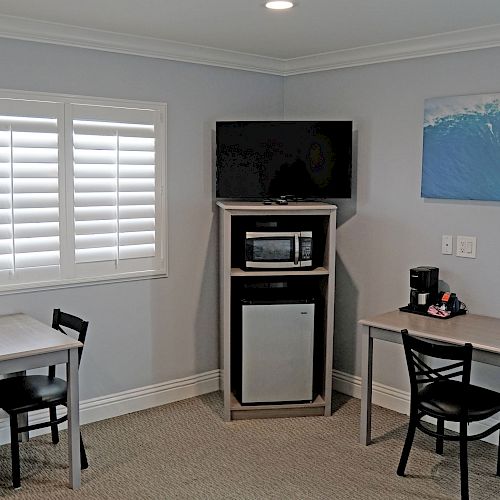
x: 96, y: 226
x: 37, y: 259
x: 95, y: 199
x: 83, y: 171
x: 30, y: 215
x: 41, y: 229
x: 5, y: 201
x: 137, y: 212
x: 32, y: 170
x: 6, y: 215
x: 5, y: 246
x: 6, y: 261
x: 96, y: 254
x: 88, y: 185
x: 42, y: 200
x: 99, y: 128
x: 140, y: 198
x: 96, y: 240
x: 28, y: 124
x: 135, y: 251
x: 138, y: 224
x: 33, y: 245
x: 5, y: 231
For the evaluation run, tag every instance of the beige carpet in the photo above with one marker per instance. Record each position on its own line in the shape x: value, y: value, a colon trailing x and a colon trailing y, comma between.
x: 186, y: 451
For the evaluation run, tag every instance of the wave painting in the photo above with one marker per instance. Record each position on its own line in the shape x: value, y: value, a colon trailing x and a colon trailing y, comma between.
x: 461, y: 156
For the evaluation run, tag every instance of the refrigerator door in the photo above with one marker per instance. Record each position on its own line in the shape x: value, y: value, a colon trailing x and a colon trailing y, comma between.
x: 277, y: 352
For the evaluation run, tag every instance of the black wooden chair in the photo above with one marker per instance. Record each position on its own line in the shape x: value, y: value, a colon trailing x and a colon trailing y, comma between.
x: 436, y: 393
x: 26, y: 393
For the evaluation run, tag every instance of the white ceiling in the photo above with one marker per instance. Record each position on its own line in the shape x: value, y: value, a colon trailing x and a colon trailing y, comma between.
x: 260, y: 37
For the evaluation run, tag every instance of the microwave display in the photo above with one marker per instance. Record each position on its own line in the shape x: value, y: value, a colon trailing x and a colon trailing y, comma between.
x: 281, y: 250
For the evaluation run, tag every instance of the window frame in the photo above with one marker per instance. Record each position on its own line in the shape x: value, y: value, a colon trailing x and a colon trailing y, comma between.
x: 67, y: 264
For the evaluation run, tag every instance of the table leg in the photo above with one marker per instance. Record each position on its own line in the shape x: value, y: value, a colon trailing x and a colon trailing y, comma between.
x: 73, y: 420
x: 366, y: 385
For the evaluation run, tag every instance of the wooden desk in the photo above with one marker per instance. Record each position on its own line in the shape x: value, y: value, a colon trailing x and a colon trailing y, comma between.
x: 26, y: 343
x: 483, y: 332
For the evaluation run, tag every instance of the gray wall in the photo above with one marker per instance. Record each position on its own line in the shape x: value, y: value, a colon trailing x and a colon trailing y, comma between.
x: 153, y: 331
x: 149, y: 331
x: 388, y: 228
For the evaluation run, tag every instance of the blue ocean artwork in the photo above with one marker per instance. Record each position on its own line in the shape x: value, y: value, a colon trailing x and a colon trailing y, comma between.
x: 461, y: 155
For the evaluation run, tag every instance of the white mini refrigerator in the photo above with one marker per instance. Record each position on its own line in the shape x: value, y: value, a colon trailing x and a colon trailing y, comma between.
x: 277, y: 352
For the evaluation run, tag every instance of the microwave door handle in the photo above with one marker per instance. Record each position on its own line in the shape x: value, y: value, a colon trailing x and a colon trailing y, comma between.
x: 297, y: 249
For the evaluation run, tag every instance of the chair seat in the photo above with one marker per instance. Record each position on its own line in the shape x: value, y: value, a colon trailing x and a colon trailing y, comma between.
x: 443, y: 399
x: 31, y: 392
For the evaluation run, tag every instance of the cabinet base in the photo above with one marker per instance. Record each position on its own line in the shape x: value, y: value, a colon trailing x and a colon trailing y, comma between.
x: 277, y: 413
x: 317, y: 408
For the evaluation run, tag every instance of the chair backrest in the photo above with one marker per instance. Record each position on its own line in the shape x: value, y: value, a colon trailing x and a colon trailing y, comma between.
x: 421, y: 373
x: 61, y: 319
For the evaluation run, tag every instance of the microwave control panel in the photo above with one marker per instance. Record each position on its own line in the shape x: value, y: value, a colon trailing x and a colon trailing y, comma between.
x: 306, y: 248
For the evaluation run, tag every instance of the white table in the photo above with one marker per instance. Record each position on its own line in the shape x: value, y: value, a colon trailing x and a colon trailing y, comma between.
x: 483, y: 332
x: 26, y: 343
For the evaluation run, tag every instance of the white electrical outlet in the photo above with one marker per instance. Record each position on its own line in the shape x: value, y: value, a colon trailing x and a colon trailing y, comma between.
x: 466, y: 246
x: 447, y: 244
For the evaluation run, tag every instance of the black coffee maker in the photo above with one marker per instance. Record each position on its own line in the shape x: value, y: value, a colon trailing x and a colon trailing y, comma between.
x: 423, y: 287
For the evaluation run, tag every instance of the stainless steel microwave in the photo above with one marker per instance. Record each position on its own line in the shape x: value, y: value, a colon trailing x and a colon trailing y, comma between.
x: 278, y: 250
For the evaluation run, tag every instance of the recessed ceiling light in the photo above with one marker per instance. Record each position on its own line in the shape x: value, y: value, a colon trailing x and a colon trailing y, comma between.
x: 281, y: 5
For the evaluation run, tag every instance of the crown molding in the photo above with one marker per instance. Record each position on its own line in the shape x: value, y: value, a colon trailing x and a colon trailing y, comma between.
x: 74, y: 36
x: 61, y: 34
x: 444, y: 43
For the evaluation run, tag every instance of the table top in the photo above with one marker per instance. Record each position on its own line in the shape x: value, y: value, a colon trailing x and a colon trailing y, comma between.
x: 483, y: 332
x: 22, y: 336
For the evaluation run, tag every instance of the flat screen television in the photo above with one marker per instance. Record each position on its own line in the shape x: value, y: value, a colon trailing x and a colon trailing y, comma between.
x: 270, y: 159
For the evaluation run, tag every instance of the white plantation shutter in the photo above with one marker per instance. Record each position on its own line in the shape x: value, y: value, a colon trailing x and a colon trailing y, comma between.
x: 115, y: 188
x: 29, y: 191
x: 82, y: 193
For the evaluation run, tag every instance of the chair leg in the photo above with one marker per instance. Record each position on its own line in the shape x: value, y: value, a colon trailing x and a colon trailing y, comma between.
x: 464, y: 472
x: 440, y: 440
x: 498, y: 459
x: 83, y: 455
x: 408, y: 442
x: 14, y: 452
x: 53, y: 427
x: 22, y: 421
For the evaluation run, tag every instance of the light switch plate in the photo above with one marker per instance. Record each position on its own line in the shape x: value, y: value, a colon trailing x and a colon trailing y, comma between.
x: 447, y: 244
x: 466, y: 246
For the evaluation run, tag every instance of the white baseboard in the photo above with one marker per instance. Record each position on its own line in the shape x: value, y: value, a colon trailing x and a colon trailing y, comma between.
x: 142, y: 398
x: 113, y: 405
x: 397, y: 400
x: 382, y: 395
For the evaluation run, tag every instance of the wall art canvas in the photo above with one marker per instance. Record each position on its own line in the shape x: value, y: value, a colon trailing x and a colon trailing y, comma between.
x: 461, y: 155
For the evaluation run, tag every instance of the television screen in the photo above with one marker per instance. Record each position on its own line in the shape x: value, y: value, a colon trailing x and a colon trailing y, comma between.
x: 269, y: 159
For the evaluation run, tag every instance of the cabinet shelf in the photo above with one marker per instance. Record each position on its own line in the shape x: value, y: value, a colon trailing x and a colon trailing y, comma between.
x: 236, y: 405
x: 318, y: 271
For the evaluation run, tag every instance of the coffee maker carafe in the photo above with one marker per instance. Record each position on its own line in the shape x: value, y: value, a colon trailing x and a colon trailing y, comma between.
x: 423, y: 287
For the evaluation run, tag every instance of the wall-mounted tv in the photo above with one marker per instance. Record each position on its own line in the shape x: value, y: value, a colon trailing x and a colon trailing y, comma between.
x: 270, y: 159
